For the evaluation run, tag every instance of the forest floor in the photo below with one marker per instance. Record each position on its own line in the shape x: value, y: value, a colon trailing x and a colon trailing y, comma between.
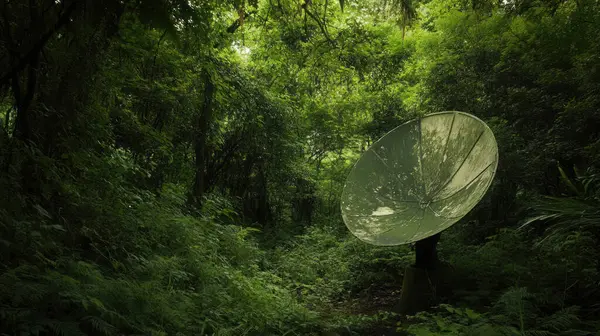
x: 379, y: 301
x: 375, y: 300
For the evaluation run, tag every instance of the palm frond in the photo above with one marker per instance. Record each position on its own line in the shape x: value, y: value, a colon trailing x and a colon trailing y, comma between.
x: 564, y: 215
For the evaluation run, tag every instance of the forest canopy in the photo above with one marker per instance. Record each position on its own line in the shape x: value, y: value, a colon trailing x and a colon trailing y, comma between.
x: 175, y: 167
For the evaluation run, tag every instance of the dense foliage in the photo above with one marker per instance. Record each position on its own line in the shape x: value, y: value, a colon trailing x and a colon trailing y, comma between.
x: 174, y: 167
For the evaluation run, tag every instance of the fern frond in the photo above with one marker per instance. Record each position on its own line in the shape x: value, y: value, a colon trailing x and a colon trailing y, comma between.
x: 561, y: 320
x: 100, y: 325
x: 539, y: 333
x: 64, y: 328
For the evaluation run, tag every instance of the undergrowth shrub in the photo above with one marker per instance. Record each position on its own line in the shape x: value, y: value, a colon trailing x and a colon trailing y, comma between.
x: 324, y: 266
x: 513, y: 315
x: 209, y: 282
x: 535, y: 289
x: 121, y: 260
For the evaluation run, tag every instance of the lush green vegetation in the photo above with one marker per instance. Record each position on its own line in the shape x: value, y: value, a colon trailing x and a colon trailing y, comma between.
x: 174, y: 167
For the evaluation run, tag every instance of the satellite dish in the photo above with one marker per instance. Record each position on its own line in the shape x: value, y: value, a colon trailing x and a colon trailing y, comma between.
x: 419, y: 179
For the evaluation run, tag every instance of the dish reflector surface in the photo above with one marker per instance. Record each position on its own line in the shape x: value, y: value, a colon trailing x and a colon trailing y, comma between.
x: 419, y: 179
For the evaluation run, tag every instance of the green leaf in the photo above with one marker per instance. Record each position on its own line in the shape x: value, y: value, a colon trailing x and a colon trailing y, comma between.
x: 96, y: 302
x: 42, y: 211
x: 568, y: 181
x: 471, y: 314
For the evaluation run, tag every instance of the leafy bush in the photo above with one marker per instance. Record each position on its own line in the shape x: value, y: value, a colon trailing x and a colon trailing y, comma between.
x: 210, y: 282
x: 322, y: 266
x: 535, y: 289
x: 128, y: 261
x: 513, y: 315
x: 449, y: 320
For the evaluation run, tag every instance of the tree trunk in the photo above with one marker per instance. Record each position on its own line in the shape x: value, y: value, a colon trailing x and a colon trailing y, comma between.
x: 263, y: 210
x: 200, y: 147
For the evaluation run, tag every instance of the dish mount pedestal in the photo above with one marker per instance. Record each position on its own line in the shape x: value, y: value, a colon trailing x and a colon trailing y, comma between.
x: 422, y: 280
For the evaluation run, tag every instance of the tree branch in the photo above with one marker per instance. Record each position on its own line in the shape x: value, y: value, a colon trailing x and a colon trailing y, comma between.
x: 238, y: 23
x: 37, y: 47
x: 323, y: 30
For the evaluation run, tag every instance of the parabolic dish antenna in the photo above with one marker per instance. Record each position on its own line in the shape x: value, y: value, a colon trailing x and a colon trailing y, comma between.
x: 420, y: 178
